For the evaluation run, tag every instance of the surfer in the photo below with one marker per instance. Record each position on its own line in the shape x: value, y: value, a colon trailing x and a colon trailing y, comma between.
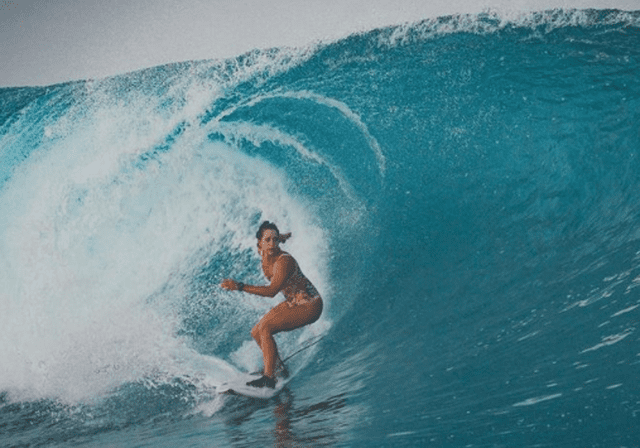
x: 302, y: 305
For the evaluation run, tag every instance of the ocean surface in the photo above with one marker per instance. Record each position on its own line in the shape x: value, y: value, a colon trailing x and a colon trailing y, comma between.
x: 463, y: 191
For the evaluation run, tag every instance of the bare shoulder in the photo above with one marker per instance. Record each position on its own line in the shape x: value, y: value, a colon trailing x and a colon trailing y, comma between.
x: 285, y: 259
x: 285, y: 262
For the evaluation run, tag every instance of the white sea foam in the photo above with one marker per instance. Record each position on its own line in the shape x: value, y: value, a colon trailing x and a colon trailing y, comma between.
x: 536, y: 400
x: 626, y: 310
x: 91, y: 232
x: 609, y: 340
x: 495, y: 19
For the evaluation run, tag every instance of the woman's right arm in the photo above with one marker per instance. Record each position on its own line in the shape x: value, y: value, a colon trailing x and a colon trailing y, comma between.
x: 281, y: 270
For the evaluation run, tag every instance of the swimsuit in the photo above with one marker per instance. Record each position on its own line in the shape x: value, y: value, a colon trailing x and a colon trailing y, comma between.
x: 304, y: 292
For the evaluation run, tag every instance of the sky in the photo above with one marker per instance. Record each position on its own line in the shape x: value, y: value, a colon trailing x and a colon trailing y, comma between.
x: 45, y: 42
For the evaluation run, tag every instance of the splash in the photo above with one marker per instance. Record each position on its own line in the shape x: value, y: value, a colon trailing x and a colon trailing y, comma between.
x: 105, y: 227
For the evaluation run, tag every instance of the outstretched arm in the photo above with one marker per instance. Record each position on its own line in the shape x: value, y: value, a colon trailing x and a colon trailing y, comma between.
x: 281, y: 270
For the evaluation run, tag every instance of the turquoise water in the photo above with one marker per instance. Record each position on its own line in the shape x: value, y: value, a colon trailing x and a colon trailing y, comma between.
x: 462, y: 191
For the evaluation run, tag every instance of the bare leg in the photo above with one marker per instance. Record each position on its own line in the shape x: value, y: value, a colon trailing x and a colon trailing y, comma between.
x: 283, y: 317
x: 270, y: 354
x: 256, y: 335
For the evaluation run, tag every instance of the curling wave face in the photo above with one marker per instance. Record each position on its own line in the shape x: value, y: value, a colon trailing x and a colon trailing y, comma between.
x: 461, y: 191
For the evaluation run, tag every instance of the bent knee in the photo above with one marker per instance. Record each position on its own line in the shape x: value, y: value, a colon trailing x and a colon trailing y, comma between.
x: 262, y: 329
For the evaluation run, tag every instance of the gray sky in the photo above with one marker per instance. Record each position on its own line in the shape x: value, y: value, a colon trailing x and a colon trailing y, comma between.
x: 49, y: 41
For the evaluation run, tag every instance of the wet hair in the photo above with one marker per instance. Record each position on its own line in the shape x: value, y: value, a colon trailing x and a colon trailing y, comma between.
x: 266, y: 225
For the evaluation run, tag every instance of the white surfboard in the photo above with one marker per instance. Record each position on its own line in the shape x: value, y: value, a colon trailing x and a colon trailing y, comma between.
x: 238, y: 386
x: 237, y: 383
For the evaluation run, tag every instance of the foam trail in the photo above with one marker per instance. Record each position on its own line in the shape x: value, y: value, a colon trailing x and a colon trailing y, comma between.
x: 335, y: 104
x: 258, y: 134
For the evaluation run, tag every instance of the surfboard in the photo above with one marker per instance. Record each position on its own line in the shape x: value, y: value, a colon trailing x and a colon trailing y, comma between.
x: 238, y: 386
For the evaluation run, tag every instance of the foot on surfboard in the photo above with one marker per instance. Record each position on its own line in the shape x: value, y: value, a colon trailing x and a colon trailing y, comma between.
x: 281, y: 371
x: 263, y: 381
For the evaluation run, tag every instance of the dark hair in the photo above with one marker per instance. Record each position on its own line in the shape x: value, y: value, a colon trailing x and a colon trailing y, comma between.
x: 266, y: 225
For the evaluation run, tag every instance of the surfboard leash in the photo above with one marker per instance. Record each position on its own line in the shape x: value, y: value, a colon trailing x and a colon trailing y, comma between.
x: 306, y: 346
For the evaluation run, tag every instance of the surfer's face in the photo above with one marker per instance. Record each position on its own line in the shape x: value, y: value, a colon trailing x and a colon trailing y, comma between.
x: 270, y: 242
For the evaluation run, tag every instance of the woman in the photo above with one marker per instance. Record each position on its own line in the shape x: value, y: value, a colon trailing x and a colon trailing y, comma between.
x: 303, y: 304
